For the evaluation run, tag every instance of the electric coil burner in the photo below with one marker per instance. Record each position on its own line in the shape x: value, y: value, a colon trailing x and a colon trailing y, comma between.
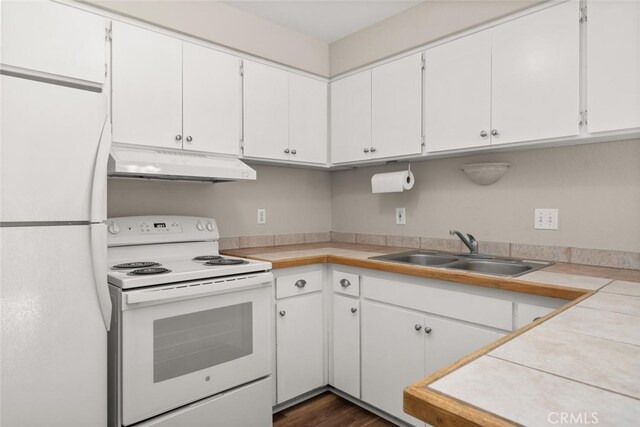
x: 207, y: 257
x: 138, y: 264
x: 148, y: 271
x: 226, y: 261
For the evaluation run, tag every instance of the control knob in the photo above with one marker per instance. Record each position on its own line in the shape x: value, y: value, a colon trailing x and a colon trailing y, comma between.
x: 113, y: 228
x: 200, y: 226
x: 209, y: 226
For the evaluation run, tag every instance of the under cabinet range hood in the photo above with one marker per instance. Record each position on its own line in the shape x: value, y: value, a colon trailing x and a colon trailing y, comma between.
x: 159, y: 163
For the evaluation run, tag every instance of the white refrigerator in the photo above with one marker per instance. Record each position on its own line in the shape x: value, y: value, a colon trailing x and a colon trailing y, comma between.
x: 55, y: 308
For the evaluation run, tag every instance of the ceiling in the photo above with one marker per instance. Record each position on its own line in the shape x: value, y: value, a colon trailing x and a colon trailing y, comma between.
x: 328, y: 20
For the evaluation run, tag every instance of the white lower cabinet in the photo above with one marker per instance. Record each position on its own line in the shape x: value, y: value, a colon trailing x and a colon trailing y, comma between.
x: 300, y: 345
x: 392, y: 356
x: 346, y: 345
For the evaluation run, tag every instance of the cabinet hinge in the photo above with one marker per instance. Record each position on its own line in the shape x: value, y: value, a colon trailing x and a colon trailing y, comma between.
x: 108, y: 35
x: 583, y: 14
x: 106, y: 70
x: 241, y: 69
x: 583, y: 118
x: 422, y: 141
x: 423, y: 63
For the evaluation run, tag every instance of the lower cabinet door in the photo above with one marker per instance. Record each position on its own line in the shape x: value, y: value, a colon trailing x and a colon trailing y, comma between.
x: 299, y: 341
x: 447, y: 341
x: 346, y: 345
x: 392, y: 356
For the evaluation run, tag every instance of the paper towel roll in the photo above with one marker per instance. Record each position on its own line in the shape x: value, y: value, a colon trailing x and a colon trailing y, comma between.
x: 392, y: 182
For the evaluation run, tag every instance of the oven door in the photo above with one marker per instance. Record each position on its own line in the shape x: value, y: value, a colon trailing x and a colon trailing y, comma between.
x: 187, y: 341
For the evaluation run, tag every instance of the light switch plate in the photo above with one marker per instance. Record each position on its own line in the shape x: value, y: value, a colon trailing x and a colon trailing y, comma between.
x: 262, y: 216
x: 545, y: 219
x: 401, y: 218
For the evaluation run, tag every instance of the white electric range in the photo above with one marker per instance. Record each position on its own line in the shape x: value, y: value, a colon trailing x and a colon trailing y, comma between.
x: 191, y: 339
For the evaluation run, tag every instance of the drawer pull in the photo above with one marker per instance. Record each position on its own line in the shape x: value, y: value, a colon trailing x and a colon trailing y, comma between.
x: 345, y: 283
x: 301, y: 283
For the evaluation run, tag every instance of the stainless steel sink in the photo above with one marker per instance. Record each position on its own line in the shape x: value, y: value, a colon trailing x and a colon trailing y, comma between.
x: 426, y: 259
x: 498, y: 268
x: 483, y: 264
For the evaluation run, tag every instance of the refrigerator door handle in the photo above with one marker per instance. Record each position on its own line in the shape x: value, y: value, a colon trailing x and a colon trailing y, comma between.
x: 99, y: 259
x: 99, y: 189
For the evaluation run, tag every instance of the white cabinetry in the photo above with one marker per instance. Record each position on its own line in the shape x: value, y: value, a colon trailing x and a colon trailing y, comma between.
x: 536, y: 76
x: 457, y: 93
x: 157, y: 81
x: 613, y: 65
x: 396, y: 108
x: 52, y: 38
x: 285, y: 115
x: 516, y: 82
x: 351, y: 118
x: 346, y: 345
x: 392, y: 356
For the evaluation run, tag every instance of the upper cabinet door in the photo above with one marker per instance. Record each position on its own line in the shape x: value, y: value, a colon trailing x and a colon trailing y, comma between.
x: 266, y: 111
x: 52, y: 38
x: 146, y: 87
x: 457, y: 93
x: 211, y: 100
x: 536, y: 76
x: 351, y: 118
x: 396, y: 109
x: 613, y: 65
x: 307, y: 119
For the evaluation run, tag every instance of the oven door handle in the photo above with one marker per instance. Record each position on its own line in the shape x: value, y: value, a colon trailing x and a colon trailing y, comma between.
x: 197, y: 289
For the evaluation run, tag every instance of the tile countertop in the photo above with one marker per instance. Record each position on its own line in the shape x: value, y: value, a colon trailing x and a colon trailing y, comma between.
x: 580, y: 364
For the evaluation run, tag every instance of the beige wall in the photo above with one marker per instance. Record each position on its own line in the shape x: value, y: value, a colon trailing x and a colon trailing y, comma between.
x: 297, y: 201
x: 595, y: 187
x: 220, y: 23
x: 414, y: 27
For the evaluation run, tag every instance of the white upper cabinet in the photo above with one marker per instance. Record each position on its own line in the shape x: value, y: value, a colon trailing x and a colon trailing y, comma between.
x: 536, y: 76
x: 396, y: 108
x: 457, y: 93
x: 211, y: 100
x: 351, y: 118
x: 266, y: 111
x: 146, y: 87
x: 307, y: 119
x: 52, y: 38
x: 613, y: 65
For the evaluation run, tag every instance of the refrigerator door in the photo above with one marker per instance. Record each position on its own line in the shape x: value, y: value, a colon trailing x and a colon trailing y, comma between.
x: 52, y: 335
x: 50, y: 141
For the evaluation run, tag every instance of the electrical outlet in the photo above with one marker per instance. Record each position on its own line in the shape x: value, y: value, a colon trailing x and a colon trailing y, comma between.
x: 401, y: 217
x: 545, y: 219
x: 262, y: 216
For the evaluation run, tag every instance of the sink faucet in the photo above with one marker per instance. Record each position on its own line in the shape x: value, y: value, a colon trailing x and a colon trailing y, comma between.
x: 471, y: 243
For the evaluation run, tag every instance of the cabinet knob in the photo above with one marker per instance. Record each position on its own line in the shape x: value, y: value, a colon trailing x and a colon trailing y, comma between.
x: 427, y: 330
x: 282, y: 313
x: 189, y: 139
x: 373, y: 149
x: 293, y: 151
x: 301, y: 283
x: 286, y: 151
x: 418, y: 327
x: 353, y: 310
x: 345, y: 283
x: 178, y: 137
x: 366, y: 150
x: 494, y: 132
x: 483, y: 133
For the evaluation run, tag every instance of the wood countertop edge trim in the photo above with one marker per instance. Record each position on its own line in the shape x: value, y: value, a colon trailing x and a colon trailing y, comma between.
x: 440, y: 409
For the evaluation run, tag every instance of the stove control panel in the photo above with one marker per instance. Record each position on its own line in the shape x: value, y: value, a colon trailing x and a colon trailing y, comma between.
x: 140, y: 230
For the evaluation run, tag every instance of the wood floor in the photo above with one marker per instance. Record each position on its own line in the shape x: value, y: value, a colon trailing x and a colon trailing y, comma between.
x: 327, y: 410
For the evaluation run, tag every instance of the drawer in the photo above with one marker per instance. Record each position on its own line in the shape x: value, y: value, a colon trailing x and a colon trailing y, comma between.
x: 298, y: 284
x: 479, y: 309
x: 346, y: 283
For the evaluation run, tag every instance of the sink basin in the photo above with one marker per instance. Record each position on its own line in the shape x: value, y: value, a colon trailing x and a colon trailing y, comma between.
x: 483, y: 264
x: 421, y: 259
x: 499, y: 268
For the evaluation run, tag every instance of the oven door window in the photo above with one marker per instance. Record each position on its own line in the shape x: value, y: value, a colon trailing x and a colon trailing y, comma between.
x: 195, y: 341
